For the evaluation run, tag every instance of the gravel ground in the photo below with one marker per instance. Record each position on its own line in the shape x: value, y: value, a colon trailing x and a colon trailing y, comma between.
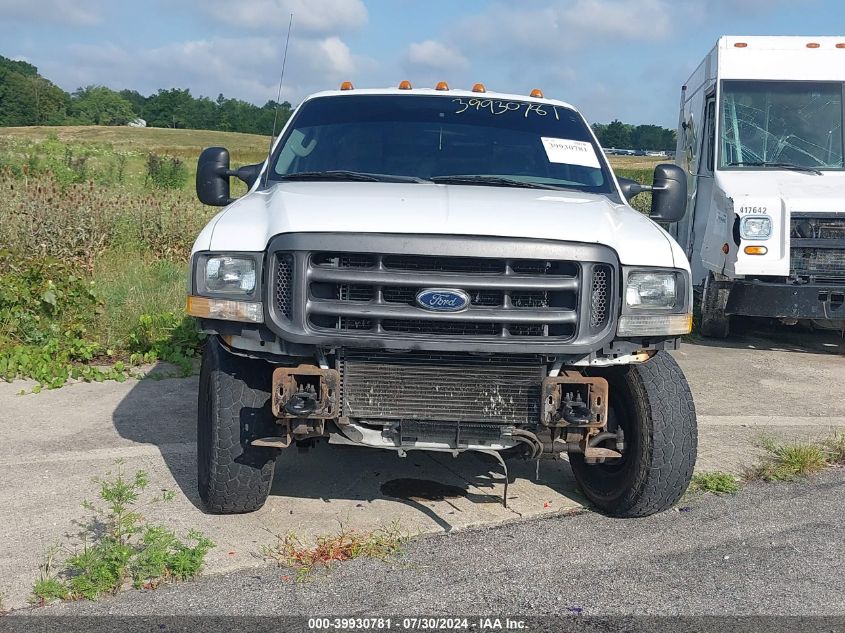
x: 772, y: 549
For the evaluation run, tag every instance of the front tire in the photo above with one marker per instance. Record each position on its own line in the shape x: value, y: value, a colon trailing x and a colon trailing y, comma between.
x: 233, y: 409
x: 653, y: 405
x: 714, y: 322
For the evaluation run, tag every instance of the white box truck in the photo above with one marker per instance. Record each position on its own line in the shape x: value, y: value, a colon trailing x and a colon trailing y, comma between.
x: 760, y: 136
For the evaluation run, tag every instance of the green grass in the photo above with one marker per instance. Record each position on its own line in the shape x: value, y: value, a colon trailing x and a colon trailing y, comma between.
x: 102, y: 144
x: 716, y: 482
x: 788, y: 461
x: 132, y: 285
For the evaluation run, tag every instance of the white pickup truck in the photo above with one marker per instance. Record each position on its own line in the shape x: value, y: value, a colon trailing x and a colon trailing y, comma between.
x: 442, y: 270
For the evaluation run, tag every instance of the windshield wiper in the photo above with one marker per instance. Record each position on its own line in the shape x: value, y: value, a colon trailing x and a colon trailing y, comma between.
x: 767, y: 163
x: 494, y: 181
x: 340, y: 174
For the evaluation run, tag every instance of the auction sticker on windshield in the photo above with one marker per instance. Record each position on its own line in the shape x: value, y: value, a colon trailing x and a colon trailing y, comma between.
x: 563, y: 150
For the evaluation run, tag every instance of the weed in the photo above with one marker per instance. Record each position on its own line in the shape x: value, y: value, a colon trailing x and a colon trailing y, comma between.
x: 166, y: 172
x: 834, y: 449
x: 347, y: 544
x: 716, y: 482
x: 117, y: 546
x: 788, y: 461
x: 49, y: 588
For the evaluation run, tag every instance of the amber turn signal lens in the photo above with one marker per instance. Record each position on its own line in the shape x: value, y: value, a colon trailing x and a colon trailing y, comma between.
x: 756, y: 250
x: 346, y: 85
x: 479, y: 88
x: 442, y: 86
x: 405, y: 85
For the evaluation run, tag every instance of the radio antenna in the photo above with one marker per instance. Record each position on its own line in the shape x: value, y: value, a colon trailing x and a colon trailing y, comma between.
x: 278, y: 99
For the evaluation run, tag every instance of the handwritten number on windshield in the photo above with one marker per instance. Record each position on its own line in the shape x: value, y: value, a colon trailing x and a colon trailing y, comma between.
x: 498, y: 108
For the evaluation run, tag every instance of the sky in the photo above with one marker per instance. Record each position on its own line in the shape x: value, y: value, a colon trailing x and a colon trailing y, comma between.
x: 613, y: 59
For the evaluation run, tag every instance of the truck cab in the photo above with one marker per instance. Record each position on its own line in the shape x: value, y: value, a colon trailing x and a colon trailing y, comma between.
x: 760, y: 136
x: 442, y: 270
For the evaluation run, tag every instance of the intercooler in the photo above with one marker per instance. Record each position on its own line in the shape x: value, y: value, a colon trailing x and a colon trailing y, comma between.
x: 440, y: 387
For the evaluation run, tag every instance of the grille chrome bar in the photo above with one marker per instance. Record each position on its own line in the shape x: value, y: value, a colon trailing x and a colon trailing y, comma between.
x: 375, y: 310
x: 467, y: 281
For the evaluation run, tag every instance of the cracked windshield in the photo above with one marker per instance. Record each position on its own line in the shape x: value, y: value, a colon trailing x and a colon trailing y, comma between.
x: 793, y: 122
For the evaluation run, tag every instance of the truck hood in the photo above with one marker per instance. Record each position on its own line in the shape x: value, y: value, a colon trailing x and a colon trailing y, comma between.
x: 422, y: 208
x: 798, y: 191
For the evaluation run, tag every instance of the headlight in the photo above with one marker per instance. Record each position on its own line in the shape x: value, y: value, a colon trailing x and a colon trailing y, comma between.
x: 655, y: 290
x: 755, y: 227
x: 657, y: 303
x: 230, y: 275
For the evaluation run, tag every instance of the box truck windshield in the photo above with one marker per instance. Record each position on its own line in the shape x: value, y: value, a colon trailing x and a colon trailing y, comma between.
x: 781, y: 123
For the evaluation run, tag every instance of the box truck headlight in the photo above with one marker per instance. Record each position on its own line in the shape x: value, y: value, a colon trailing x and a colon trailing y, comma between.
x: 657, y: 303
x: 755, y: 227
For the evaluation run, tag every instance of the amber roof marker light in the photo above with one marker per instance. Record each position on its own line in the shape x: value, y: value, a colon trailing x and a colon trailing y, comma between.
x: 347, y: 85
x: 441, y: 85
x: 405, y: 85
x: 537, y: 93
x: 813, y: 45
x: 479, y: 88
x: 741, y: 45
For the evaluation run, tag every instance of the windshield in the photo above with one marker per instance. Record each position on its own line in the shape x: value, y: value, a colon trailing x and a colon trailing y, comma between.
x: 777, y: 123
x: 424, y: 137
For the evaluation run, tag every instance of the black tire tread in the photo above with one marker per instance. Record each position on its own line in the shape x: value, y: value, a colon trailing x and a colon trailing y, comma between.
x: 669, y: 440
x: 233, y: 476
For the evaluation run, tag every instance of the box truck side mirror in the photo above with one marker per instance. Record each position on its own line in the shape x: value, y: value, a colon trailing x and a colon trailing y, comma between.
x: 668, y: 193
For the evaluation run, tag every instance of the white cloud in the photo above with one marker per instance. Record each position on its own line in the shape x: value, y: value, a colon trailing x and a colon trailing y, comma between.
x: 67, y: 12
x: 309, y: 16
x: 434, y: 55
x: 211, y: 66
x: 507, y: 29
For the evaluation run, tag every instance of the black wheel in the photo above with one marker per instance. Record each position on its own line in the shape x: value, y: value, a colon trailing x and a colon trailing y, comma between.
x: 714, y: 322
x: 233, y: 409
x: 653, y: 405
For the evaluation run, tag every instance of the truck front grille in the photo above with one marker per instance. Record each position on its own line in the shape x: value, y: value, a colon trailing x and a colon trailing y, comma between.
x: 522, y: 296
x: 508, y: 298
x: 440, y: 387
x: 817, y: 245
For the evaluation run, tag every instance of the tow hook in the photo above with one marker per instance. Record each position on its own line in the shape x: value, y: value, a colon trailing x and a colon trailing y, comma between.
x: 306, y: 392
x: 303, y: 403
x: 571, y: 399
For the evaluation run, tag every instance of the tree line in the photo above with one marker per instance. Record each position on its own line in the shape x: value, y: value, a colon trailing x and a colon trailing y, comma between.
x: 626, y: 136
x: 27, y: 98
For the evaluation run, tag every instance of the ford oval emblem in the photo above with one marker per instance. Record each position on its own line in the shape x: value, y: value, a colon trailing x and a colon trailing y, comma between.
x: 443, y: 299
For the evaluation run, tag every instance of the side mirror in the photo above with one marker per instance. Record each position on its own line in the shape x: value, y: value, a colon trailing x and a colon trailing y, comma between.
x: 213, y: 177
x: 668, y: 193
x: 631, y: 188
x: 249, y: 174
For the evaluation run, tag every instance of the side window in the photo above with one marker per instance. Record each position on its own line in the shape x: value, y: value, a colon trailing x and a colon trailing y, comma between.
x: 709, y: 149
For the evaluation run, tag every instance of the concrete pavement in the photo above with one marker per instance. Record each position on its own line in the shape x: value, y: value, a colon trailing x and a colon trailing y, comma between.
x: 52, y: 444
